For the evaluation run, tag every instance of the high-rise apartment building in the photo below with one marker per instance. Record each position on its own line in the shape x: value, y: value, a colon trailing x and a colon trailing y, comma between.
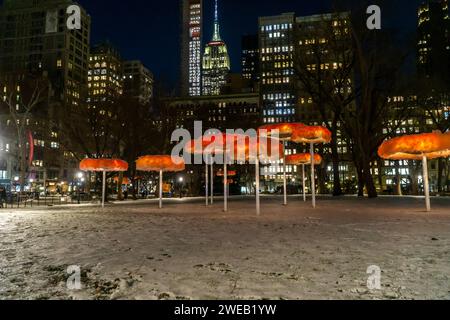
x: 35, y: 40
x: 278, y: 89
x: 34, y: 37
x: 283, y: 39
x: 434, y: 40
x: 105, y: 76
x: 191, y: 45
x: 216, y: 61
x: 138, y: 81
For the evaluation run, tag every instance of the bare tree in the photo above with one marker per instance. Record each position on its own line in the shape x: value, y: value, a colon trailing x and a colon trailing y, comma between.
x: 324, y: 62
x: 25, y: 94
x: 378, y: 64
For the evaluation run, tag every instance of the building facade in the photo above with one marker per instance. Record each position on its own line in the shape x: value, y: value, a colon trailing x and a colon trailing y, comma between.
x: 105, y: 75
x: 138, y: 81
x: 216, y: 61
x: 35, y: 40
x: 191, y: 45
x: 434, y: 41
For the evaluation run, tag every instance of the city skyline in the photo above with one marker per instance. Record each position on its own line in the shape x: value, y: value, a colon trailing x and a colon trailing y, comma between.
x: 134, y: 35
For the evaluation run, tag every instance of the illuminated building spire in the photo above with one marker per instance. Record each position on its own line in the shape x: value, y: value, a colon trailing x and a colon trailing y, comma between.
x: 216, y: 35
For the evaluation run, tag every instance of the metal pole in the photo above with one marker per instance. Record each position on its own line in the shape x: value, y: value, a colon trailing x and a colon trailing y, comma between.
x: 212, y: 182
x: 258, y: 203
x: 160, y: 188
x: 225, y: 184
x: 303, y: 182
x: 313, y: 177
x: 284, y: 179
x: 103, y: 188
x: 206, y: 184
x: 426, y: 184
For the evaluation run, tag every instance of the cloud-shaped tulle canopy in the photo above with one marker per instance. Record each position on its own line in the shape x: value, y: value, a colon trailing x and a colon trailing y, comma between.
x: 303, y: 158
x: 285, y: 130
x: 243, y: 147
x: 160, y: 163
x: 414, y: 147
x: 311, y: 134
x: 103, y: 165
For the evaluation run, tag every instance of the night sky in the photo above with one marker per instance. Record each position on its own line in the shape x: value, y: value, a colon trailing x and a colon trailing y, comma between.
x: 149, y: 30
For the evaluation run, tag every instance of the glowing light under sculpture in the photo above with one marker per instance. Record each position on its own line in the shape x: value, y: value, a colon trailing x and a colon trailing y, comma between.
x: 303, y: 159
x: 283, y: 132
x: 260, y: 150
x: 103, y: 165
x: 312, y: 135
x: 159, y: 164
x: 418, y: 147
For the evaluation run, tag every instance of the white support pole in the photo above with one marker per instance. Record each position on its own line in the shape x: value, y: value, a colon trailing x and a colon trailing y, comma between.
x: 284, y: 179
x: 426, y: 184
x: 303, y: 183
x: 225, y: 184
x: 160, y: 188
x: 313, y: 177
x: 206, y: 184
x: 258, y: 203
x: 212, y: 182
x: 103, y: 188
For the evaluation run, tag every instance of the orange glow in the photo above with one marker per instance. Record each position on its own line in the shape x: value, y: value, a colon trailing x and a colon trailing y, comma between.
x: 125, y: 180
x: 103, y: 165
x: 159, y: 163
x: 265, y: 148
x: 285, y: 130
x: 230, y: 173
x: 311, y: 134
x: 209, y: 144
x: 303, y: 158
x: 414, y: 147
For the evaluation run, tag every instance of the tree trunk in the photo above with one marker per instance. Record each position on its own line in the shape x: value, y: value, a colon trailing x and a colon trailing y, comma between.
x: 440, y: 172
x: 398, y: 185
x: 414, y: 182
x: 368, y: 180
x: 337, y: 189
x: 360, y: 181
x: 119, y: 187
x: 380, y: 176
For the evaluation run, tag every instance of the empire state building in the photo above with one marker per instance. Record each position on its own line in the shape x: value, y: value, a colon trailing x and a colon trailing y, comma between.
x: 216, y: 61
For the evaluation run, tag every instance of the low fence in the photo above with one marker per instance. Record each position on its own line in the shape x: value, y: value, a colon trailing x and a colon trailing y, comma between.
x: 26, y: 200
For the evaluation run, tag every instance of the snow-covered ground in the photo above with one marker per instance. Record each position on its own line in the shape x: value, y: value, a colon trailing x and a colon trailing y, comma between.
x: 188, y: 251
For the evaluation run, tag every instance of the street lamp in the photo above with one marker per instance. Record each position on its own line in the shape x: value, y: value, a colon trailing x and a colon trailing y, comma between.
x: 80, y: 177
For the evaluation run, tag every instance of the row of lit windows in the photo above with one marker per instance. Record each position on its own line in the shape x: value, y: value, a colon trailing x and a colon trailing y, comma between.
x: 277, y: 49
x: 275, y: 27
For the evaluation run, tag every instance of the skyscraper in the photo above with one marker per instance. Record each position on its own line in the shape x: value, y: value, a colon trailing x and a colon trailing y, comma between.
x: 105, y: 78
x: 34, y: 38
x: 191, y: 43
x: 434, y: 41
x: 278, y: 90
x: 216, y: 61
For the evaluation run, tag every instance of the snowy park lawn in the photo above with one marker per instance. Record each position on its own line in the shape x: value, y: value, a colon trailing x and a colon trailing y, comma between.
x: 188, y: 251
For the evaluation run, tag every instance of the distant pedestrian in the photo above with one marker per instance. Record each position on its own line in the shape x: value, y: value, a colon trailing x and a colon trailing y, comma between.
x: 2, y: 196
